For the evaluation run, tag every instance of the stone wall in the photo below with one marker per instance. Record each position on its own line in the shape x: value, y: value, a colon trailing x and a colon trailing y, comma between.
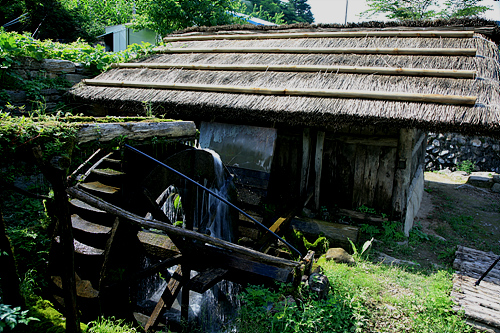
x: 450, y: 149
x: 69, y: 72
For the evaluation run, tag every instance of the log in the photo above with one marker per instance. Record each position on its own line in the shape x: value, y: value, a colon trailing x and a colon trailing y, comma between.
x: 470, y: 52
x: 361, y: 217
x: 329, y: 34
x: 328, y: 93
x: 336, y: 233
x: 135, y: 219
x: 135, y: 131
x: 451, y: 73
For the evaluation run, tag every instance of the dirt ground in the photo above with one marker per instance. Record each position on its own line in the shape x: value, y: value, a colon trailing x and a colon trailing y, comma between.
x: 452, y: 213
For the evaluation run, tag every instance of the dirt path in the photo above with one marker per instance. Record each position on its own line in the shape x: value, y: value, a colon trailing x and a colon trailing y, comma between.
x: 452, y: 213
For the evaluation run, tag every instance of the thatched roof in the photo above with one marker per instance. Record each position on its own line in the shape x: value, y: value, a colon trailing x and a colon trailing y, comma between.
x: 201, y: 94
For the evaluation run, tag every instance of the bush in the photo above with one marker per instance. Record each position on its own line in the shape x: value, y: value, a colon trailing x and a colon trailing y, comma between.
x: 466, y: 166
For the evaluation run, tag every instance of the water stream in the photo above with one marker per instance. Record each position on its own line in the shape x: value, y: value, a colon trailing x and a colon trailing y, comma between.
x: 213, y: 310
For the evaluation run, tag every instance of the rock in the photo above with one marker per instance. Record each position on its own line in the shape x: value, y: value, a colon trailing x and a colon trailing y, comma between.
x: 496, y: 188
x: 496, y: 178
x: 436, y: 143
x: 58, y: 66
x: 431, y: 147
x: 440, y: 160
x: 476, y: 143
x: 444, y: 152
x: 319, y: 284
x: 74, y: 78
x: 339, y: 255
x: 480, y: 179
x: 388, y: 260
x: 459, y: 174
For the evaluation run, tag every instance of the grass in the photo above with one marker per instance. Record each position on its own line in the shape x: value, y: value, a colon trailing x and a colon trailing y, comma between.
x: 366, y: 297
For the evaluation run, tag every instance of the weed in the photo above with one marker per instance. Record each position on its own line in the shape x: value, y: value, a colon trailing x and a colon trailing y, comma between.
x: 466, y: 166
x: 364, y: 209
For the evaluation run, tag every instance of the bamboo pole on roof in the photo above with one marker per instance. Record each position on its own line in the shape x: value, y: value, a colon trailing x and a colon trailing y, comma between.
x: 471, y: 52
x: 331, y: 34
x: 451, y: 73
x: 328, y: 93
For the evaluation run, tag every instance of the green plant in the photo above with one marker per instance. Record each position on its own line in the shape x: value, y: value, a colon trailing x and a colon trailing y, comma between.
x: 11, y: 317
x: 364, y: 209
x: 466, y: 166
x: 110, y: 325
x: 366, y: 246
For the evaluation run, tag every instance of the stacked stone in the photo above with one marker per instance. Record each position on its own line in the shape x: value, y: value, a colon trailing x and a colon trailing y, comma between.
x: 48, y: 68
x: 446, y: 151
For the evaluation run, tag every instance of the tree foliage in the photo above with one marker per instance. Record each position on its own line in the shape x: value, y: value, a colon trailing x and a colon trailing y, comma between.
x: 423, y: 9
x: 293, y: 11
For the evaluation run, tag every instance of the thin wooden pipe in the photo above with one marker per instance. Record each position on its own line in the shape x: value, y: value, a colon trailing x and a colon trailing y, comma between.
x: 331, y: 34
x: 329, y: 93
x: 462, y: 74
x: 470, y: 52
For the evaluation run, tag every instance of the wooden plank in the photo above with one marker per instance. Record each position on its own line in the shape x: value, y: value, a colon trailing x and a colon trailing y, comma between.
x: 451, y: 73
x: 175, y: 231
x: 306, y: 159
x: 167, y: 298
x: 385, y: 179
x: 334, y: 232
x: 157, y: 245
x: 418, y: 144
x: 370, y: 175
x: 318, y: 166
x: 327, y: 34
x: 206, y: 279
x: 327, y: 93
x: 359, y: 177
x: 135, y: 131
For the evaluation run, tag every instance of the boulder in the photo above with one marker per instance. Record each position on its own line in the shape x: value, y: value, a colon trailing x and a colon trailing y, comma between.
x: 496, y: 188
x: 339, y: 255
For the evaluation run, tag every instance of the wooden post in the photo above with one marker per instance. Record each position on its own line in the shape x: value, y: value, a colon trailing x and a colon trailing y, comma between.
x: 56, y: 174
x: 403, y: 170
x: 318, y: 165
x: 306, y: 157
x: 185, y: 296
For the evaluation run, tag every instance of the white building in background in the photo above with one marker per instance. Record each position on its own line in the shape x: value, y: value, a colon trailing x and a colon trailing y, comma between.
x: 118, y: 37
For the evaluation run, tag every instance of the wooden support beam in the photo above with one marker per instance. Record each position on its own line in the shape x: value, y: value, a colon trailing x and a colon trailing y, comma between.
x: 403, y: 170
x: 186, y: 272
x: 306, y: 160
x: 326, y: 34
x: 318, y: 165
x: 462, y: 74
x: 167, y: 298
x: 135, y: 131
x: 418, y: 144
x: 327, y: 93
x: 377, y: 141
x: 469, y: 52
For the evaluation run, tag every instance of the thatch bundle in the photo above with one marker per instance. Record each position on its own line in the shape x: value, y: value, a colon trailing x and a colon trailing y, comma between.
x: 483, y: 117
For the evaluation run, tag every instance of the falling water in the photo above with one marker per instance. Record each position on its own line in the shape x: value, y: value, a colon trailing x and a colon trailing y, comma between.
x: 214, y: 309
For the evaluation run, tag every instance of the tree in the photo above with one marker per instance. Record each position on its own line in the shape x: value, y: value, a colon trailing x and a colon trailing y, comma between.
x: 463, y: 8
x: 421, y: 9
x: 401, y: 9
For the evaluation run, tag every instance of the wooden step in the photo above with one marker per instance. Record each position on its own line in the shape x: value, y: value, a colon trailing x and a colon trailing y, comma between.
x: 108, y: 172
x: 90, y: 233
x: 160, y: 246
x: 90, y: 213
x: 111, y: 163
x: 100, y: 188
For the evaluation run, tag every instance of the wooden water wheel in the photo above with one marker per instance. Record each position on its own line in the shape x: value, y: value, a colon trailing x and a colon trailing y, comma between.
x: 117, y: 222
